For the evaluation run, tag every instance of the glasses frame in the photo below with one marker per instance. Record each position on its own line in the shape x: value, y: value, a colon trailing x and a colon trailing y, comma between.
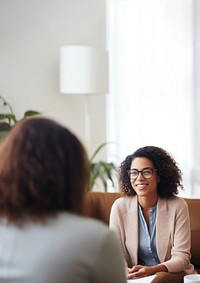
x: 141, y: 171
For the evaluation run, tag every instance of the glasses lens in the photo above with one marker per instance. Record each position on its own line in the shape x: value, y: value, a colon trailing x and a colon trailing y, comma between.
x: 133, y: 174
x: 147, y: 173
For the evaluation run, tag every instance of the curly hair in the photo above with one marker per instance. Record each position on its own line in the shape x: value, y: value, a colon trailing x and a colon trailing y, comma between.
x: 167, y: 168
x: 43, y: 170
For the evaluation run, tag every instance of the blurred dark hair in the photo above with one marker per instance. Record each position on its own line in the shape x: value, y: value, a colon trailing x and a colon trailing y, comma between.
x: 43, y: 170
x: 167, y: 168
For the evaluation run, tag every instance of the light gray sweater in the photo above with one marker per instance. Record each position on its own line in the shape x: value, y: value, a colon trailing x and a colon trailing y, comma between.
x: 66, y: 249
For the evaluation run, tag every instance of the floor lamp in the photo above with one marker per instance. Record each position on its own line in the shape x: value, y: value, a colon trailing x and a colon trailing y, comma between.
x: 84, y: 71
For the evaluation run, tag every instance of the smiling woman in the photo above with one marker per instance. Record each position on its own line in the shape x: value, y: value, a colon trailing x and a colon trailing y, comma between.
x: 151, y: 221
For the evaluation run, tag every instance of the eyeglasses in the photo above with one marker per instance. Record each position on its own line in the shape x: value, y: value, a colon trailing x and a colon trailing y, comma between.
x: 146, y: 173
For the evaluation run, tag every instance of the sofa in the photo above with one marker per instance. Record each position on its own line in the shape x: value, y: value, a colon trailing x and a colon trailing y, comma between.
x: 98, y: 205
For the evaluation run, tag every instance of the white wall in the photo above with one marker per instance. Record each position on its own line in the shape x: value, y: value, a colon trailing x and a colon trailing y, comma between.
x: 31, y: 33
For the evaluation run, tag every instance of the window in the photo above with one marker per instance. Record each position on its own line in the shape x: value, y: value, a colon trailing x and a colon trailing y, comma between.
x: 151, y: 69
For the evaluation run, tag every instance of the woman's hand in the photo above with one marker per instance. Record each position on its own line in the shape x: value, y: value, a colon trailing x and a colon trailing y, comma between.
x: 138, y: 271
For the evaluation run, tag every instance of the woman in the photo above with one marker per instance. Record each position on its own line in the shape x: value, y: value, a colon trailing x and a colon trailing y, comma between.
x: 150, y: 220
x: 43, y: 239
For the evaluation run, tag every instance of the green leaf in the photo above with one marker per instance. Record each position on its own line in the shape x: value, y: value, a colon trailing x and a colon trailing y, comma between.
x: 97, y: 150
x: 102, y: 170
x: 29, y: 113
x: 4, y: 126
x: 9, y: 118
x: 2, y: 116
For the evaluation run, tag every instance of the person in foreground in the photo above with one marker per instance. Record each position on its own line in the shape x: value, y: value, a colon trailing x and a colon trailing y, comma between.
x: 150, y: 220
x: 43, y: 239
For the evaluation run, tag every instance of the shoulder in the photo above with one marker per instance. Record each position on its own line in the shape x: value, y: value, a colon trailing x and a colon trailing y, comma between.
x: 93, y: 236
x: 124, y: 201
x: 177, y: 202
x: 88, y: 228
x: 173, y: 204
x: 125, y: 204
x: 80, y: 221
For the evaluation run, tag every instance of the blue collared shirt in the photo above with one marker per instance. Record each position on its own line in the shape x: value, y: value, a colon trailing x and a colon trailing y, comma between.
x: 147, y: 252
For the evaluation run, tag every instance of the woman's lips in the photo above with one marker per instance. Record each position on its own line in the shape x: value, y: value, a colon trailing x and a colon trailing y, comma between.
x: 141, y: 186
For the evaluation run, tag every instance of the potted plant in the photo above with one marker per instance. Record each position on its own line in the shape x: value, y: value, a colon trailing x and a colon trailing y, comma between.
x: 8, y: 119
x: 101, y: 170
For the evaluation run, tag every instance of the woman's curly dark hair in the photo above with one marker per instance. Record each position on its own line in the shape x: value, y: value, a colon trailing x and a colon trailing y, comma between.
x: 167, y: 168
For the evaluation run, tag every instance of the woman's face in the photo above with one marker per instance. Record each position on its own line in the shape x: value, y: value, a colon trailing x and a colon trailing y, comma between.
x: 144, y: 183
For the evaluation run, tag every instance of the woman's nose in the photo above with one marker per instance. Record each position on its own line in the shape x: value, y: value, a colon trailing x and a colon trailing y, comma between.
x: 140, y: 176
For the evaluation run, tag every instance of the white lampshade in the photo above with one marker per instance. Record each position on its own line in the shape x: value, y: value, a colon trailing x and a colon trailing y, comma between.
x: 83, y: 70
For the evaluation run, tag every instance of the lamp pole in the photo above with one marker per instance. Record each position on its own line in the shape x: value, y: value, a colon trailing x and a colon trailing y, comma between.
x: 87, y: 122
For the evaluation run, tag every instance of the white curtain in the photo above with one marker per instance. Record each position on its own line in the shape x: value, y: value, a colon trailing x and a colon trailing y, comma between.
x: 151, y: 78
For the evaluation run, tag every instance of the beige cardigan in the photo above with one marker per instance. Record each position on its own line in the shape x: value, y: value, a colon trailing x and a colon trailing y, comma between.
x: 172, y: 231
